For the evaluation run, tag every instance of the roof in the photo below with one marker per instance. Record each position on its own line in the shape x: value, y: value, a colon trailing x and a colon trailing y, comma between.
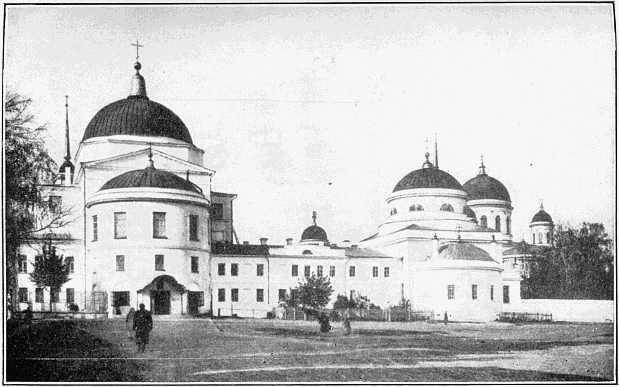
x: 139, y: 116
x: 464, y: 252
x: 150, y: 177
x: 232, y: 249
x: 542, y: 216
x: 363, y: 252
x: 314, y: 233
x: 428, y: 178
x: 483, y: 186
x: 522, y: 248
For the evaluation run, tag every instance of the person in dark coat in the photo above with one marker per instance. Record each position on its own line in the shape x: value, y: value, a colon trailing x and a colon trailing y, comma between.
x: 142, y: 325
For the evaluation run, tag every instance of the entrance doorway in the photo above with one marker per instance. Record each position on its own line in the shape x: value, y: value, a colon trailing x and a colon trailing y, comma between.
x: 161, y: 301
x: 194, y: 301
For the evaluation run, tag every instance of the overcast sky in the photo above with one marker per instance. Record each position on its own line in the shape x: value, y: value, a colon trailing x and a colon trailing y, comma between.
x: 326, y: 107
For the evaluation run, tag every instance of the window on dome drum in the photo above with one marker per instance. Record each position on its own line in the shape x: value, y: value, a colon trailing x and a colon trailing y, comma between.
x: 533, y: 238
x: 491, y: 292
x: 282, y: 295
x: 508, y: 225
x: 259, y: 295
x: 23, y: 294
x: 193, y: 228
x: 375, y: 271
x: 483, y: 221
x: 351, y: 271
x: 38, y: 295
x: 307, y: 271
x: 234, y: 295
x: 447, y: 207
x: 234, y: 269
x: 70, y: 262
x: 120, y: 263
x: 332, y: 271
x: 55, y: 202
x: 195, y: 262
x: 217, y: 211
x: 394, y: 211
x: 386, y: 272
x: 419, y: 207
x: 307, y: 252
x: 548, y: 237
x: 474, y: 292
x: 159, y: 262
x: 411, y: 208
x: 451, y: 292
x: 221, y: 269
x: 70, y: 295
x: 295, y: 270
x: 505, y: 294
x: 319, y: 271
x: 539, y: 238
x: 497, y: 223
x: 120, y: 220
x: 159, y: 225
x: 95, y: 228
x: 22, y: 264
x: 260, y: 270
x: 221, y: 295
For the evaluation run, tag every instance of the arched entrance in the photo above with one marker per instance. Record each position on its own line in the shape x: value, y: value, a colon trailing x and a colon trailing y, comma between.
x: 166, y: 295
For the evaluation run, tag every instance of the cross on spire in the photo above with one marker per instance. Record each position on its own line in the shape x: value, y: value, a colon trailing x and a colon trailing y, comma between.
x: 427, y: 141
x: 137, y: 49
x: 314, y: 217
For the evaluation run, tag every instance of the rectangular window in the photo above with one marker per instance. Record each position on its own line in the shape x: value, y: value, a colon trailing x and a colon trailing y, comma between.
x: 95, y: 228
x: 351, y: 271
x: 221, y: 295
x: 234, y: 269
x: 386, y: 272
x: 193, y: 228
x: 474, y: 291
x: 23, y: 294
x: 234, y: 295
x: 70, y: 295
x: 332, y: 271
x: 282, y: 295
x: 22, y: 264
x: 159, y: 263
x: 295, y: 270
x: 217, y: 211
x: 319, y: 271
x: 260, y: 270
x: 159, y: 225
x: 120, y: 220
x: 451, y: 292
x: 491, y: 292
x: 221, y: 269
x: 70, y: 262
x: 38, y: 295
x: 195, y: 268
x: 55, y: 295
x: 505, y: 294
x: 120, y: 263
x: 259, y: 295
x: 55, y: 202
x: 307, y: 271
x: 375, y: 271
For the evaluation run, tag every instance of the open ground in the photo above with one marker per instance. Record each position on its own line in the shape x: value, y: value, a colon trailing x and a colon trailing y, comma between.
x: 253, y: 350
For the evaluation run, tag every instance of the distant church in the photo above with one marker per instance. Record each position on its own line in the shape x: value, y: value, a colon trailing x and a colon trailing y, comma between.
x: 149, y: 229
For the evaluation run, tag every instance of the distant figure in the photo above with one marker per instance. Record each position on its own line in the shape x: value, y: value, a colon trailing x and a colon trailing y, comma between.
x: 129, y: 323
x: 446, y: 319
x: 347, y: 328
x: 142, y: 324
x: 325, y: 326
x: 28, y: 315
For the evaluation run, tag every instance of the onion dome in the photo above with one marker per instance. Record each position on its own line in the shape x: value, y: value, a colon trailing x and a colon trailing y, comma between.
x: 137, y: 115
x: 427, y: 177
x: 483, y: 186
x: 464, y: 252
x: 542, y: 216
x: 314, y: 233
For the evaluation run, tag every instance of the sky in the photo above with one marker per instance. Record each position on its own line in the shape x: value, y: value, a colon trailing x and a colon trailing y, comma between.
x: 324, y: 108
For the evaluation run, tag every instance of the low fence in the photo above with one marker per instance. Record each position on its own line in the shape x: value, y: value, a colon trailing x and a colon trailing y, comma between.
x: 241, y: 312
x: 523, y: 316
x: 356, y: 314
x: 599, y: 311
x: 90, y: 302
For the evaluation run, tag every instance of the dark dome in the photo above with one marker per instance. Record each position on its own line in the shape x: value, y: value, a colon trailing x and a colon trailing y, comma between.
x: 485, y: 187
x: 139, y: 116
x: 428, y: 178
x: 314, y: 233
x: 470, y: 213
x: 464, y: 252
x: 542, y: 216
x: 150, y: 177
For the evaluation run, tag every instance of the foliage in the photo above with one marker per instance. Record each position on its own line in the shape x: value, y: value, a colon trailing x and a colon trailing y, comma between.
x: 579, y: 266
x: 313, y: 293
x: 359, y: 302
x: 405, y: 303
x: 50, y: 270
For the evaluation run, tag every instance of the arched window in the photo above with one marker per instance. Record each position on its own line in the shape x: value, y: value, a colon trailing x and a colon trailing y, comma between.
x: 533, y: 238
x: 447, y: 207
x: 548, y: 238
x: 484, y: 221
x: 419, y: 207
x: 412, y: 208
x: 394, y: 211
x: 307, y: 252
x: 508, y: 225
x: 497, y: 223
x: 539, y: 236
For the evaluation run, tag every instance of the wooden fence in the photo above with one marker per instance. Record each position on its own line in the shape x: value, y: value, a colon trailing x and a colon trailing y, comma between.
x: 523, y: 316
x: 394, y: 314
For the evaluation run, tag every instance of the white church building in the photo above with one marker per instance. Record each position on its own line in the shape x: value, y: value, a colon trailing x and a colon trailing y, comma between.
x: 148, y: 228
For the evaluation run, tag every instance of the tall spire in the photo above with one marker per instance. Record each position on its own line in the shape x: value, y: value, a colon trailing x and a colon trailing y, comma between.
x: 541, y: 205
x: 138, y: 84
x: 151, y: 163
x: 482, y: 167
x: 435, y: 152
x: 68, y: 156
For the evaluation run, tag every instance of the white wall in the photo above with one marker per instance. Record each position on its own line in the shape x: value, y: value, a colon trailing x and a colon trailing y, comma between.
x: 568, y: 310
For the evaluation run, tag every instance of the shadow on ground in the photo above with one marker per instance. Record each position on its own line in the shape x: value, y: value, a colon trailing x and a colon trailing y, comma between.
x: 52, y: 351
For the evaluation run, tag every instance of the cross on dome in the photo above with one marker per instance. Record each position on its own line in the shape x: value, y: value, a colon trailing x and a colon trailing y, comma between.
x: 314, y: 217
x: 137, y: 50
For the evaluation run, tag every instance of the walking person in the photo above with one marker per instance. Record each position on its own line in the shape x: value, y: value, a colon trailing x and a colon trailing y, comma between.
x: 129, y: 324
x: 142, y: 324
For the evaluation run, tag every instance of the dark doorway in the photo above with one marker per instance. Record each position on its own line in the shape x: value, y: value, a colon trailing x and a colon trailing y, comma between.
x: 161, y: 301
x: 194, y: 300
x: 119, y: 299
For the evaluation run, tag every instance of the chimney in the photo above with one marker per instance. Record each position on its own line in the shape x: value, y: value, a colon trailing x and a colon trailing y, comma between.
x: 288, y: 241
x: 263, y: 241
x: 245, y: 242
